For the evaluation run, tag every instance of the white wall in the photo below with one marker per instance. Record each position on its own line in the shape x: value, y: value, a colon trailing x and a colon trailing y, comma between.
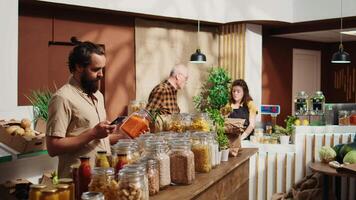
x: 247, y: 10
x: 307, y: 10
x: 8, y: 54
x: 224, y: 11
x: 207, y: 10
x: 253, y: 62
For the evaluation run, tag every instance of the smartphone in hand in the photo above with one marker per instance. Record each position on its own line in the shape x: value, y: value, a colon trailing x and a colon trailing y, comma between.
x: 118, y: 120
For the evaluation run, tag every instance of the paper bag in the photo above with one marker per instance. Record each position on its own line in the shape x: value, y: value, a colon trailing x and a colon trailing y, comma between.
x: 233, y: 129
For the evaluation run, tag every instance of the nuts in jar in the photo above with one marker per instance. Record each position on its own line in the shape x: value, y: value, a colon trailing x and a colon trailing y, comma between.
x: 103, y: 181
x: 131, y: 185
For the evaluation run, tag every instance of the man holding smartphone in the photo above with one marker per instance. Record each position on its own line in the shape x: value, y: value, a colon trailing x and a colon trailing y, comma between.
x: 77, y: 124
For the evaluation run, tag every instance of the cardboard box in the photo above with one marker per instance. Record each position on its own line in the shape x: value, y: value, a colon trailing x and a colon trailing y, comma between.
x: 19, y: 143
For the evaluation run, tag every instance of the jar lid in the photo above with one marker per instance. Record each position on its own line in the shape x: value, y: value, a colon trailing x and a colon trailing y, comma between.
x: 65, y: 180
x: 138, y: 166
x: 103, y: 171
x: 38, y: 186
x: 130, y: 173
x: 84, y: 157
x: 101, y: 152
x: 92, y: 195
x: 62, y: 186
x: 49, y: 190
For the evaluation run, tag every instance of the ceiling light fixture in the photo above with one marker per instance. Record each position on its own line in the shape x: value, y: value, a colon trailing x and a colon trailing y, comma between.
x: 341, y: 56
x: 198, y: 57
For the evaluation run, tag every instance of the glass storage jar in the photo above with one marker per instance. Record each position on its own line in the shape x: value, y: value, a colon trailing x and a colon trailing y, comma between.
x: 103, y: 180
x: 153, y: 176
x: 141, y: 167
x: 182, y: 163
x: 133, y: 107
x: 63, y: 191
x: 318, y: 103
x: 35, y: 191
x: 101, y: 159
x: 201, y: 150
x: 84, y: 174
x: 300, y: 103
x: 214, y: 148
x: 49, y: 194
x: 92, y: 196
x: 201, y: 122
x: 159, y: 151
x: 131, y: 185
x: 69, y: 182
x: 353, y: 117
x: 124, y: 155
x: 136, y: 124
x: 344, y: 118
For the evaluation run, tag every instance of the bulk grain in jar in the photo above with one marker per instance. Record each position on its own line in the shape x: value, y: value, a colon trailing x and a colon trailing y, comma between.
x: 159, y: 151
x: 103, y: 180
x: 201, y: 150
x: 131, y: 185
x: 182, y: 163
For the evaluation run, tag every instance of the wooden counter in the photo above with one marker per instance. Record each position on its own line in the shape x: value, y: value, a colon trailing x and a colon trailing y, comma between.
x: 228, y: 181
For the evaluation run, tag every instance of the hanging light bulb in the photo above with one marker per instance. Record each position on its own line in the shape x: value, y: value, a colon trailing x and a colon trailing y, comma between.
x: 198, y: 57
x: 341, y: 56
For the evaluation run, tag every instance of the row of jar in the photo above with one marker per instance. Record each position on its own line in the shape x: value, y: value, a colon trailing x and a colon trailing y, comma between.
x: 177, y: 160
x: 304, y: 105
x: 142, y: 121
x: 62, y: 191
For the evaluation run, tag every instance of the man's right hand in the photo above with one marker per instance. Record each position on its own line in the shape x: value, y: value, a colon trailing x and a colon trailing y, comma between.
x: 103, y: 129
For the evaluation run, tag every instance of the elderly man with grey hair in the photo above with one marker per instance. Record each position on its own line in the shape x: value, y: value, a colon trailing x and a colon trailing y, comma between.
x: 164, y: 95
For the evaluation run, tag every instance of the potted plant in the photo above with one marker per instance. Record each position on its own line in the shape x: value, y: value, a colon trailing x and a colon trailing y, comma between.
x: 223, y: 145
x: 40, y: 100
x: 155, y: 125
x: 282, y: 133
x: 213, y: 97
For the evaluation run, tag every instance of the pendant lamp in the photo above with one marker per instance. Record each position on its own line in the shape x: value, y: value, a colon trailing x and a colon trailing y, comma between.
x: 198, y: 57
x: 341, y: 56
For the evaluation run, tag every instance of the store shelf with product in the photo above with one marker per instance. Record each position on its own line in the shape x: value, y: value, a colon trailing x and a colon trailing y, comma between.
x: 277, y: 167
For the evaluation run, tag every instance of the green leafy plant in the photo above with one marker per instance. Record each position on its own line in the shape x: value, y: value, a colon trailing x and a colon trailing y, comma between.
x: 40, y: 100
x: 156, y: 119
x: 288, y: 130
x: 213, y: 96
x: 222, y: 138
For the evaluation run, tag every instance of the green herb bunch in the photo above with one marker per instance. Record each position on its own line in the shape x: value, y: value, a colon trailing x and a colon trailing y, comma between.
x: 40, y: 100
x: 213, y: 96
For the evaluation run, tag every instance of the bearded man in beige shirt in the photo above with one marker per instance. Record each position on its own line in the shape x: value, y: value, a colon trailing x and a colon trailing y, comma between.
x: 77, y: 124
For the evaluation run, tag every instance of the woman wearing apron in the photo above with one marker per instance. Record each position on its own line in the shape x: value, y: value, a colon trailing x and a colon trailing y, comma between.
x: 242, y: 118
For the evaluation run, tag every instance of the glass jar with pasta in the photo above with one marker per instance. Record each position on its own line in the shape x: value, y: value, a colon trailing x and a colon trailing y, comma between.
x: 202, y: 155
x: 103, y: 180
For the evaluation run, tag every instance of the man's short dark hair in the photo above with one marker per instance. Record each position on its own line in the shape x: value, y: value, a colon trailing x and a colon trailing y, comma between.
x: 81, y: 54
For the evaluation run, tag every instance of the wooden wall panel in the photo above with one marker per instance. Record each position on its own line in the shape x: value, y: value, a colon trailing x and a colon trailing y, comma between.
x: 232, y: 49
x: 39, y: 24
x: 277, y: 68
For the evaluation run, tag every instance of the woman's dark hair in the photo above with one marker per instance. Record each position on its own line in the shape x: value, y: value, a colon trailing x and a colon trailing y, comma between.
x: 246, y: 98
x: 81, y: 54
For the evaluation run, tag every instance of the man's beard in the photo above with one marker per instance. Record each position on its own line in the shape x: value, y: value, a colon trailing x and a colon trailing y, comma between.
x: 89, y: 86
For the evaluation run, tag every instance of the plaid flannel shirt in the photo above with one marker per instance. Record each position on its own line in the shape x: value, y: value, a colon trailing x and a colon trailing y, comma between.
x: 164, y: 98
